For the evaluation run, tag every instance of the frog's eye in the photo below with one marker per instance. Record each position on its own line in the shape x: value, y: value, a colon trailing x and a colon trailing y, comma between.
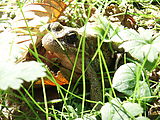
x: 71, y: 37
x: 56, y: 26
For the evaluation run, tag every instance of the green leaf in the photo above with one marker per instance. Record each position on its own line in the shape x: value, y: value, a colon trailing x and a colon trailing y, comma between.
x: 150, y: 65
x: 72, y: 111
x: 109, y: 109
x: 116, y: 110
x: 144, y: 91
x: 120, y: 115
x: 141, y: 45
x: 12, y: 75
x: 107, y: 112
x: 104, y: 28
x: 125, y: 35
x: 133, y: 109
x: 129, y: 109
x: 124, y: 81
x: 142, y: 118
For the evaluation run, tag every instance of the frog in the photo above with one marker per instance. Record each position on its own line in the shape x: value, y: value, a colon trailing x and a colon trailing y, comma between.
x: 63, y: 42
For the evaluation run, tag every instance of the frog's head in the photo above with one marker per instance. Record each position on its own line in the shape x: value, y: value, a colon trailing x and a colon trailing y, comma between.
x: 63, y: 42
x: 60, y: 38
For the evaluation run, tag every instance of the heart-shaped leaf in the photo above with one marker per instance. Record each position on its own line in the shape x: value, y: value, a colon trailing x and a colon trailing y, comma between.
x: 125, y: 80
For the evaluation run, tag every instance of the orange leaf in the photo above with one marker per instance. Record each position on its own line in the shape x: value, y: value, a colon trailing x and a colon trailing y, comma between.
x: 60, y: 79
x: 52, y: 8
x: 58, y: 4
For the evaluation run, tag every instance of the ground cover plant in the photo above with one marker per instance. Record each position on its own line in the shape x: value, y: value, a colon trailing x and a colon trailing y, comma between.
x: 79, y: 59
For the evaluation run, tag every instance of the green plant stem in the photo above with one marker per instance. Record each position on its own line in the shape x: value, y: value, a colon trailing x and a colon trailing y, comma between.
x: 102, y: 73
x: 83, y: 76
x: 45, y: 98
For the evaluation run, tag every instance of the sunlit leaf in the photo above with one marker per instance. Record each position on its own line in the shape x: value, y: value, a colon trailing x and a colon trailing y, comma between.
x: 8, y: 49
x: 139, y: 44
x: 124, y: 81
x: 37, y: 14
x: 13, y: 75
x: 108, y: 110
x: 104, y: 28
x: 144, y: 91
x: 136, y: 108
x: 125, y: 35
x: 142, y: 118
x: 116, y: 110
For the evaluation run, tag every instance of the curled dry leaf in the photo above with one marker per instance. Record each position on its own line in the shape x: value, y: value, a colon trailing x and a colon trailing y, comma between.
x: 31, y: 17
x: 37, y: 13
x: 51, y: 8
